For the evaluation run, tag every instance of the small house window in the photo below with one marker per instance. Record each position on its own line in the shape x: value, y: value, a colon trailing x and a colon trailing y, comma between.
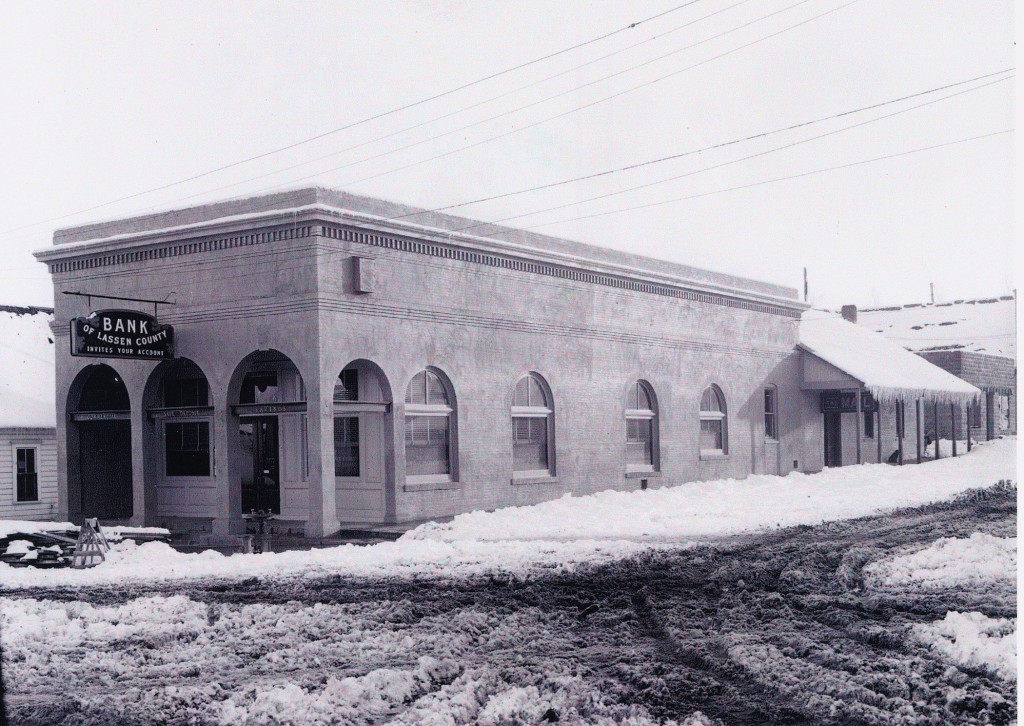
x: 714, y: 433
x: 428, y: 415
x: 641, y: 428
x: 27, y: 474
x: 532, y: 428
x: 771, y: 414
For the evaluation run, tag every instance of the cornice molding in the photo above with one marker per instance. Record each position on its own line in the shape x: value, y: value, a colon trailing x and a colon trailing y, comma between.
x: 359, y: 228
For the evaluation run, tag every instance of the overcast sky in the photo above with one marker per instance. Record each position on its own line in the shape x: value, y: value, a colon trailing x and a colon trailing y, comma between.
x: 106, y: 100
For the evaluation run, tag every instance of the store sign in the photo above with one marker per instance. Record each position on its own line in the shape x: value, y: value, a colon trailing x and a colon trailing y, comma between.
x: 121, y: 334
x: 268, y: 409
x: 846, y: 401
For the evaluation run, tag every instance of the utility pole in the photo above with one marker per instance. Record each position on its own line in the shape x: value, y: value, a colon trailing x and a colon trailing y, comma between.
x: 805, y: 284
x: 932, y: 286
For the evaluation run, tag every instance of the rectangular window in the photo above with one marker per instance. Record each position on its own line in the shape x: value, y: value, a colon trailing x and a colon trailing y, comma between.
x: 346, y: 446
x: 711, y: 435
x: 639, y: 450
x: 187, y: 447
x: 426, y: 445
x: 771, y: 422
x: 27, y: 476
x: 529, y: 443
x: 869, y: 424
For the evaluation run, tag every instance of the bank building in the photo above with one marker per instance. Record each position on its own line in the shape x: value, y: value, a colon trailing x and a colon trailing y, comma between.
x: 348, y: 362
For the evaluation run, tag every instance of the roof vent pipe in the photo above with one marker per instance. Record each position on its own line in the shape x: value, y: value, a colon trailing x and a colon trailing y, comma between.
x: 849, y: 312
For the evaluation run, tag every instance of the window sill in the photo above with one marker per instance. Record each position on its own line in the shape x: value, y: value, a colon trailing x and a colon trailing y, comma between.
x: 642, y: 474
x: 529, y: 478
x: 429, y: 483
x: 713, y: 456
x: 27, y: 501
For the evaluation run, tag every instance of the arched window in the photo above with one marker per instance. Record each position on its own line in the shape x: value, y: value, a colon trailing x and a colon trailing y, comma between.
x: 532, y: 428
x: 714, y: 430
x: 641, y: 428
x: 428, y: 416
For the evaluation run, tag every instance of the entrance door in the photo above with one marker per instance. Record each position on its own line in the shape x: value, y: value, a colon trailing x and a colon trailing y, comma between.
x: 833, y: 439
x: 105, y: 466
x: 261, y: 483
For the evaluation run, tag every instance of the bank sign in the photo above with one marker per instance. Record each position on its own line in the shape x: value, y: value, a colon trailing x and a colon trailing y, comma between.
x: 121, y: 334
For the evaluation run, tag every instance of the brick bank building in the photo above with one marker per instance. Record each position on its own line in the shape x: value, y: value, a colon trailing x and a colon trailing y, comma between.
x: 344, y: 361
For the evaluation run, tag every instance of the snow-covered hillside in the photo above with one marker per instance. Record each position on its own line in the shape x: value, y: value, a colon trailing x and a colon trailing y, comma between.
x: 26, y: 367
x: 977, y: 326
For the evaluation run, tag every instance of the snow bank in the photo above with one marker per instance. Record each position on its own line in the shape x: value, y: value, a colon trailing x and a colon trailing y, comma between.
x: 730, y: 506
x: 129, y: 561
x: 888, y: 371
x: 564, y: 533
x: 973, y: 640
x: 978, y: 560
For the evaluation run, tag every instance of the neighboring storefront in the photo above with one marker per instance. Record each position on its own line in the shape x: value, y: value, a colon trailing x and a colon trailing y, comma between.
x: 344, y: 361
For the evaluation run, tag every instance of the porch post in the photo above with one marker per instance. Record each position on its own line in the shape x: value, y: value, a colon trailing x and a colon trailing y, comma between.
x: 935, y: 415
x: 952, y: 424
x: 990, y: 415
x: 968, y: 427
x: 901, y: 425
x: 919, y: 411
x: 878, y: 428
x: 860, y: 427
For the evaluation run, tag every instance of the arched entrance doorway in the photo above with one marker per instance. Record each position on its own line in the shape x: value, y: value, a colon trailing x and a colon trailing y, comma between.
x: 179, y: 440
x: 99, y: 446
x: 363, y: 443
x: 270, y: 461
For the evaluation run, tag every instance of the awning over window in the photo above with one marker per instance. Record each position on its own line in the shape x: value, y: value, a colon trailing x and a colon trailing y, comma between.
x: 840, y: 354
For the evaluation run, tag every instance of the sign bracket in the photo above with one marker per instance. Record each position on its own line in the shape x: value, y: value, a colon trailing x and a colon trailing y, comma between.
x: 90, y: 295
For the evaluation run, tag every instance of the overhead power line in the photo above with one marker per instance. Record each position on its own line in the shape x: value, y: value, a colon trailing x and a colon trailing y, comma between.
x: 765, y: 181
x: 519, y: 129
x: 571, y: 111
x: 247, y: 259
x: 735, y: 161
x: 367, y: 119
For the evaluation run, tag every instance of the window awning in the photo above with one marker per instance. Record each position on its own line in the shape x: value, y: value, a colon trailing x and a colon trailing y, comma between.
x: 853, y: 355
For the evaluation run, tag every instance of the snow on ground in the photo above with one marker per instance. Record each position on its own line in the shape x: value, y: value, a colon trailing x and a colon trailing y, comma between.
x: 973, y: 640
x: 561, y: 534
x: 978, y: 560
x: 730, y: 506
x: 946, y: 447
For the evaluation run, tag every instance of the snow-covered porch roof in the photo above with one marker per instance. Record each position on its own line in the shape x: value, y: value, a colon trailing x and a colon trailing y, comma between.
x: 840, y: 354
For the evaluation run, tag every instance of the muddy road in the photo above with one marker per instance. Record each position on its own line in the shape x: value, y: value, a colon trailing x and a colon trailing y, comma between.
x: 777, y: 628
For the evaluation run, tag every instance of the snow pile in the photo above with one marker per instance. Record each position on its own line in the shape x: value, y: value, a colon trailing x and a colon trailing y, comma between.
x: 978, y: 326
x: 345, y: 700
x: 730, y: 506
x: 129, y: 561
x: 978, y: 560
x: 946, y: 447
x: 599, y: 528
x: 27, y: 373
x: 888, y: 371
x: 973, y: 640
